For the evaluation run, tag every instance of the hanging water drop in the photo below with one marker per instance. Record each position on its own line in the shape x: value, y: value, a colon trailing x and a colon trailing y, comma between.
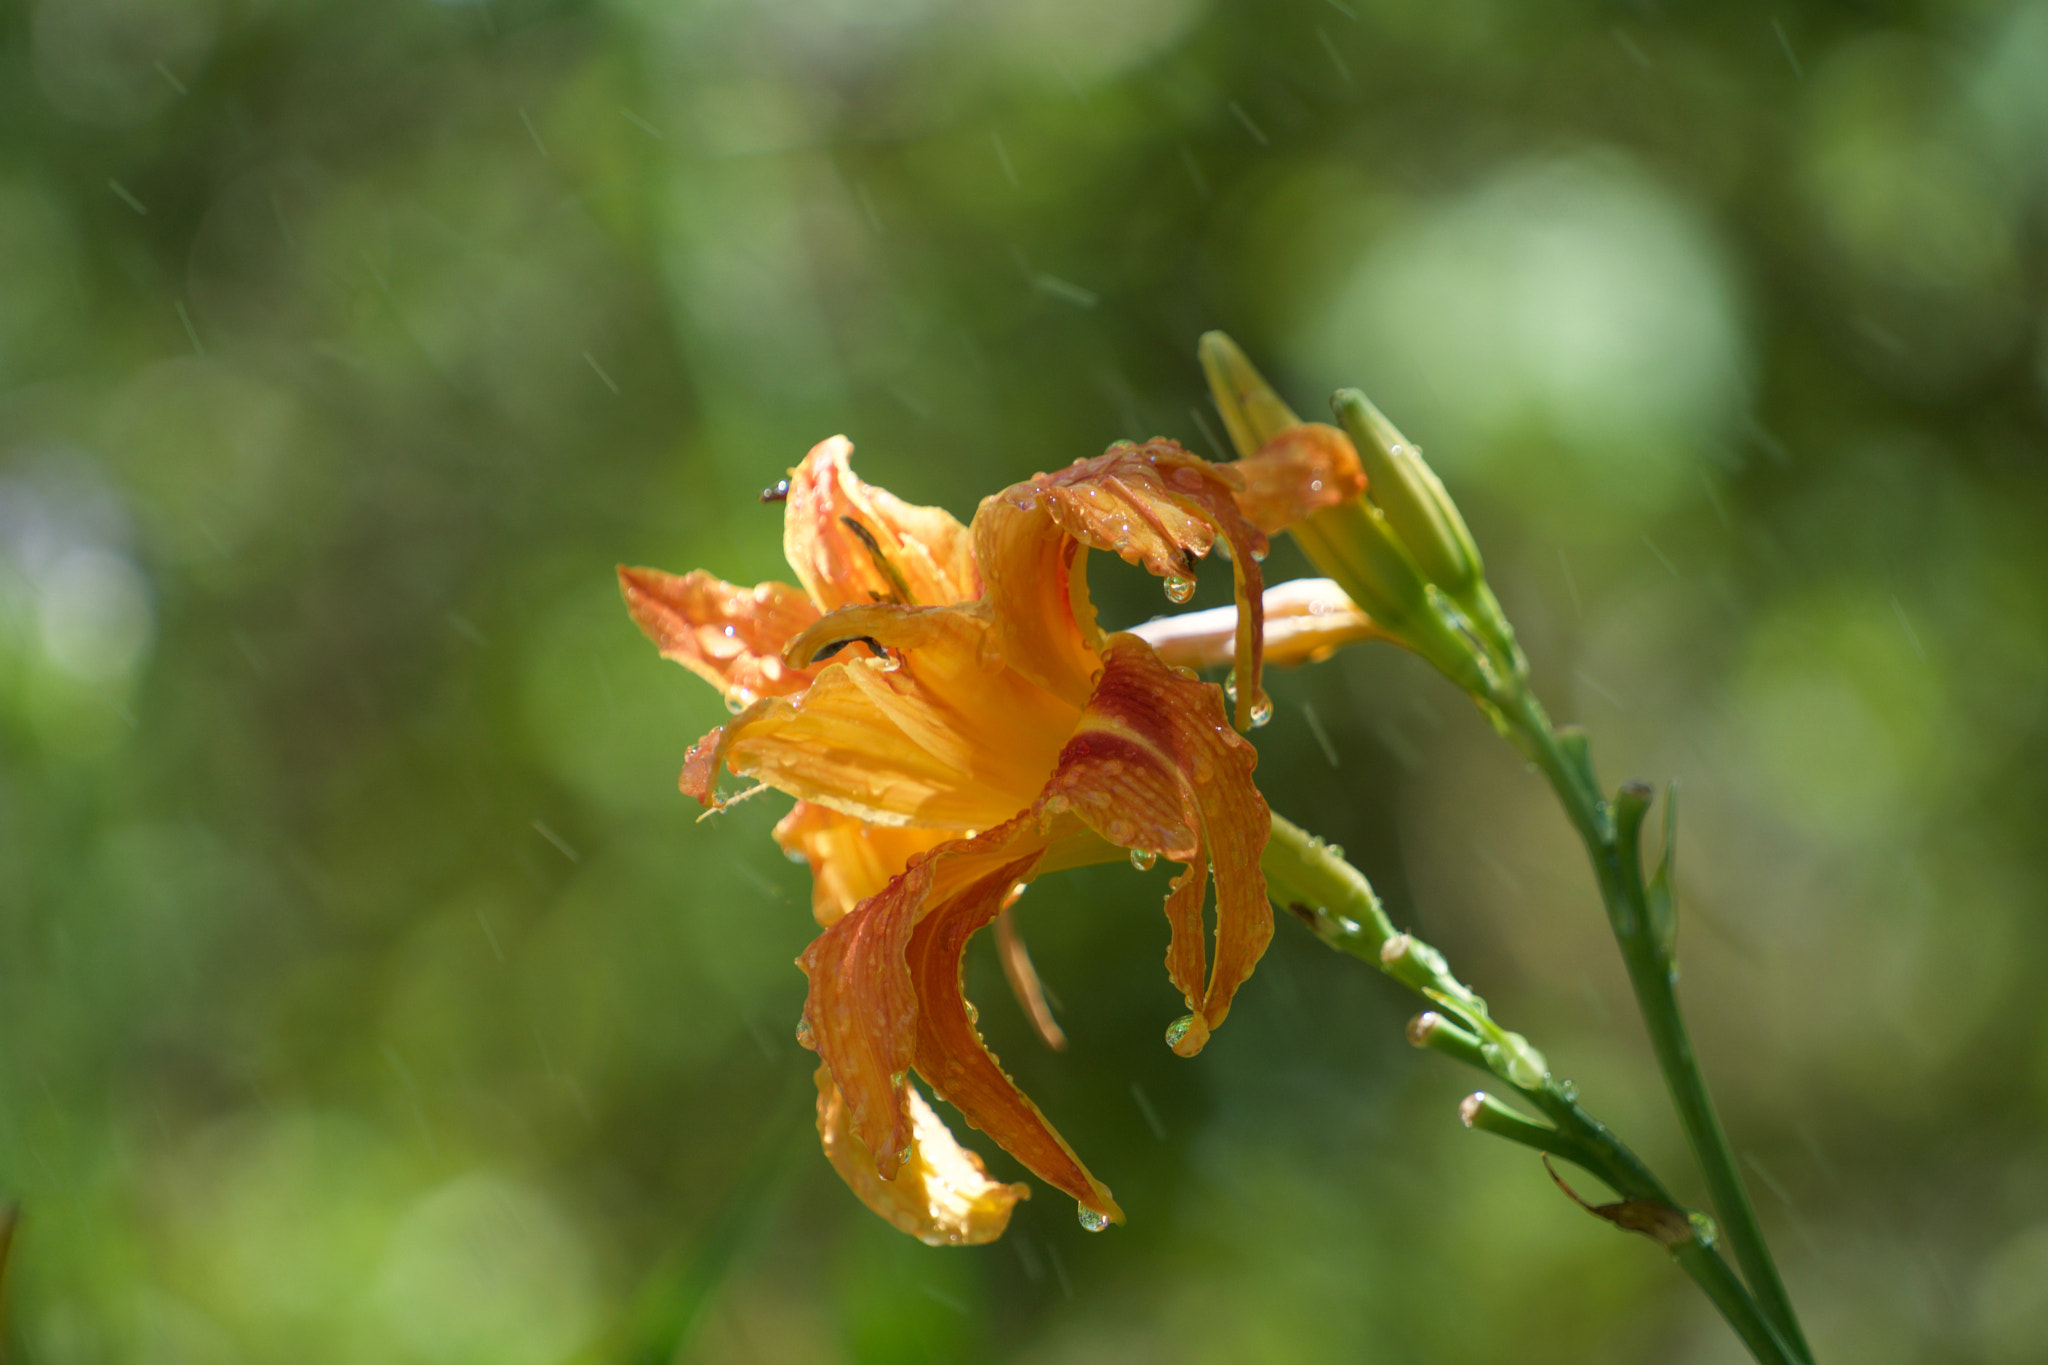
x: 1262, y: 711
x: 738, y: 700
x: 1230, y: 687
x: 1178, y: 1029
x: 1091, y: 1220
x: 1179, y: 590
x: 1143, y: 859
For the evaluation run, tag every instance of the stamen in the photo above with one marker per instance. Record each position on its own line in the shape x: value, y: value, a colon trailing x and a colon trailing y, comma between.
x: 720, y: 803
x: 1024, y: 982
x: 882, y: 564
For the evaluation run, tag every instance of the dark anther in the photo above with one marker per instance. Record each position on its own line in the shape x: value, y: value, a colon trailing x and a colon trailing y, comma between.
x: 867, y: 537
x: 777, y: 492
x: 829, y: 650
x: 1303, y: 913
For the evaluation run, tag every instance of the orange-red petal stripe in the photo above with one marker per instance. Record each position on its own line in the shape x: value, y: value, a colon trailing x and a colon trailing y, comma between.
x: 1152, y: 750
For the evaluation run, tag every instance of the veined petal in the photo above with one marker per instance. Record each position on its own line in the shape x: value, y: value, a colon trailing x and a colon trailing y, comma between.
x: 732, y: 637
x: 1154, y: 504
x: 942, y: 1195
x: 851, y: 542
x: 936, y: 733
x: 1307, y: 620
x: 885, y: 996
x: 1154, y: 765
x: 850, y: 859
x: 1300, y: 470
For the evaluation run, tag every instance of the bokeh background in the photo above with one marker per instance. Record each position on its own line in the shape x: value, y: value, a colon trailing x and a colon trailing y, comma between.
x: 369, y: 994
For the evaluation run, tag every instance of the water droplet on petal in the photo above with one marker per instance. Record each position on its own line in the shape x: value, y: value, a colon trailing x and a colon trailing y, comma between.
x: 1259, y: 556
x: 1091, y: 1220
x: 1262, y: 710
x: 803, y: 1035
x: 898, y: 1079
x: 1178, y: 1029
x: 1230, y: 688
x: 973, y: 1014
x: 798, y: 856
x: 1143, y: 859
x: 738, y: 700
x: 1179, y: 590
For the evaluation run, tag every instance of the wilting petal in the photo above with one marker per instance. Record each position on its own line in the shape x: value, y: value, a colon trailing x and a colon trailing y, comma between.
x: 885, y: 995
x: 1154, y: 765
x: 1300, y: 470
x: 937, y: 733
x: 952, y: 1056
x: 942, y: 1195
x: 1307, y: 620
x: 1153, y: 504
x: 850, y: 859
x: 732, y: 637
x: 853, y: 543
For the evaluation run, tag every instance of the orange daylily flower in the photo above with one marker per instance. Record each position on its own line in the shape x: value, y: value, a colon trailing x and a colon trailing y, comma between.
x: 952, y: 733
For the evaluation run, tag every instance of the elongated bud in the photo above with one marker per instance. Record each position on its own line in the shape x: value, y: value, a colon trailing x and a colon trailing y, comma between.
x: 1411, y: 495
x: 1252, y: 412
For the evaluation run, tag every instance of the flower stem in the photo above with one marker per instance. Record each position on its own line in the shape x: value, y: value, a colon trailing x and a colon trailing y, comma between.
x: 1313, y: 880
x: 1610, y: 834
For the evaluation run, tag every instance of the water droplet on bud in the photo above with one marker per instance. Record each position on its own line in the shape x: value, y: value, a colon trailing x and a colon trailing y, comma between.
x: 1091, y: 1220
x: 1143, y: 859
x: 1179, y: 590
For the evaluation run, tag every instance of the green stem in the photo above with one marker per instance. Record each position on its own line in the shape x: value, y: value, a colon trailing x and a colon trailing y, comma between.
x: 1312, y: 879
x: 1617, y: 865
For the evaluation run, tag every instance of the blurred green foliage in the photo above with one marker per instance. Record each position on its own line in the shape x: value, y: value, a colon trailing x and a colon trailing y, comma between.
x: 367, y: 992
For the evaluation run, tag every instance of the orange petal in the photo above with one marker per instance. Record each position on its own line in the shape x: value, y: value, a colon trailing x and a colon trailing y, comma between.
x: 1301, y: 470
x: 942, y: 1195
x: 1155, y: 765
x: 885, y: 995
x: 732, y: 637
x: 936, y: 734
x: 1307, y: 620
x: 851, y: 542
x: 1154, y: 504
x: 950, y: 1052
x: 849, y: 859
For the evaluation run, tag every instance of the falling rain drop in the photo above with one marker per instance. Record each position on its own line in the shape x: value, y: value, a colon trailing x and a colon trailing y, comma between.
x: 1179, y: 590
x: 1143, y: 859
x: 1091, y: 1220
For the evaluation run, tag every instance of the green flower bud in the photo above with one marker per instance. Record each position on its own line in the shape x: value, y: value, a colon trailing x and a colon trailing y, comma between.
x: 1411, y: 495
